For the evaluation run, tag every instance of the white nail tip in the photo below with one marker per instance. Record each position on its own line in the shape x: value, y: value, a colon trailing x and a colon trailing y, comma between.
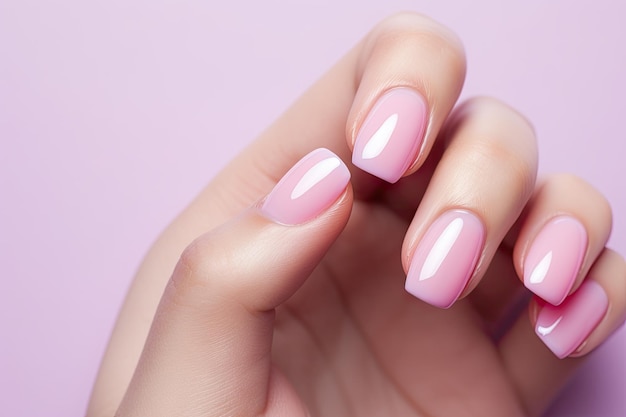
x: 541, y: 270
x: 314, y: 175
x: 380, y: 138
x: 544, y: 331
x: 441, y: 249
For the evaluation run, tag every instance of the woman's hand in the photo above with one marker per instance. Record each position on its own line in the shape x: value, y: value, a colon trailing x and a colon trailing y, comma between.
x: 292, y: 301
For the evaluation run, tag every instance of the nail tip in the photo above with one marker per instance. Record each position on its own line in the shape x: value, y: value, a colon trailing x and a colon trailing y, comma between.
x: 443, y: 304
x: 365, y: 167
x: 547, y: 297
x: 559, y: 353
x: 576, y: 319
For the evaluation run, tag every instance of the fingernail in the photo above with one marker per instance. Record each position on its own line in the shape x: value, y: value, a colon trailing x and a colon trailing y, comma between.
x: 554, y: 259
x: 446, y: 257
x: 392, y: 134
x: 309, y: 188
x: 565, y: 327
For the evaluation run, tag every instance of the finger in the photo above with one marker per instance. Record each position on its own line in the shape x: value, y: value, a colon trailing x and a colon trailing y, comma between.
x: 562, y: 230
x: 531, y: 349
x: 209, y: 348
x: 567, y: 226
x: 411, y: 78
x: 317, y: 119
x: 483, y: 181
x: 340, y: 100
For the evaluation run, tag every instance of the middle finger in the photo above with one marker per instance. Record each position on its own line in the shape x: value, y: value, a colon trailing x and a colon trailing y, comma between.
x: 480, y: 186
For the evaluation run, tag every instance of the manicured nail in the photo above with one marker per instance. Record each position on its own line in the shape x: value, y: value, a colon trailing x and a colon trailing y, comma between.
x: 565, y: 327
x: 446, y: 257
x: 392, y: 134
x: 309, y: 188
x: 554, y: 259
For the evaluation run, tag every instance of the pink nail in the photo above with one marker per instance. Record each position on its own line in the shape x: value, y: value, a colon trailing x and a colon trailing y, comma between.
x: 445, y: 259
x: 309, y: 188
x: 555, y: 258
x: 388, y: 142
x: 563, y: 328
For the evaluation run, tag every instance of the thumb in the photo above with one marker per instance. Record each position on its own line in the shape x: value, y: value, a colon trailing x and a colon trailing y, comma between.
x: 208, y: 352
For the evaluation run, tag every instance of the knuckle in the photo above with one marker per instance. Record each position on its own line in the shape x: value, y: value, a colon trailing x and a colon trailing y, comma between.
x: 200, y: 281
x: 192, y: 258
x: 501, y: 137
x: 201, y: 265
x: 517, y: 172
x: 419, y: 31
x: 506, y: 117
x: 577, y: 186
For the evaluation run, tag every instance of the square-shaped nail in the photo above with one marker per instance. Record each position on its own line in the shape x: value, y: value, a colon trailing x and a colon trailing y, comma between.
x: 554, y: 258
x: 307, y: 189
x: 392, y: 134
x: 445, y: 258
x: 565, y: 327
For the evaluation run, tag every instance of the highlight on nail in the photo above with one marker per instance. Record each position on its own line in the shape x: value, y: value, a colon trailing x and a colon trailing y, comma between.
x: 380, y: 138
x: 391, y: 136
x: 315, y: 175
x: 307, y: 189
x: 565, y: 327
x: 554, y: 258
x: 445, y: 258
x: 441, y: 249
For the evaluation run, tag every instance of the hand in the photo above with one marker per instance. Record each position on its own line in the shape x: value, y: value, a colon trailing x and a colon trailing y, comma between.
x: 293, y: 302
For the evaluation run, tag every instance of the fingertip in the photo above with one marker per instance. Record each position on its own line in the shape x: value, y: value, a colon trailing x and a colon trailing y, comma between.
x: 588, y: 316
x: 409, y: 78
x: 565, y: 327
x: 565, y: 229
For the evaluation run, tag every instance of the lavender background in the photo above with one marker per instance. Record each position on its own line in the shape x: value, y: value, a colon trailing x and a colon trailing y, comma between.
x: 113, y: 114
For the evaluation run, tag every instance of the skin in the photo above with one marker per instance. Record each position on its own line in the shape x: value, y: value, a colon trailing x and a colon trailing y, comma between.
x: 263, y: 319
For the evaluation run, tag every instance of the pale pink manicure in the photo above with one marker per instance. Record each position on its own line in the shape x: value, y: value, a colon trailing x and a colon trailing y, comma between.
x: 554, y: 259
x: 310, y: 187
x: 446, y: 257
x: 392, y: 134
x: 563, y: 328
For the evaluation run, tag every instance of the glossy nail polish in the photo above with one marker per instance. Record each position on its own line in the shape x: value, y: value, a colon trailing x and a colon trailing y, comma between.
x: 564, y: 327
x: 309, y: 188
x: 445, y: 258
x: 554, y: 259
x: 392, y: 134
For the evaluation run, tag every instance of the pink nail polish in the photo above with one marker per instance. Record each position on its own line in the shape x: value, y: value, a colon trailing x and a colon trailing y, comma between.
x: 554, y: 259
x: 392, y: 134
x: 446, y: 257
x: 310, y: 187
x: 564, y: 327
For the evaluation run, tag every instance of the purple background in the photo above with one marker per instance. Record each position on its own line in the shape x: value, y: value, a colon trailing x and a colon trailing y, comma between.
x: 113, y: 114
